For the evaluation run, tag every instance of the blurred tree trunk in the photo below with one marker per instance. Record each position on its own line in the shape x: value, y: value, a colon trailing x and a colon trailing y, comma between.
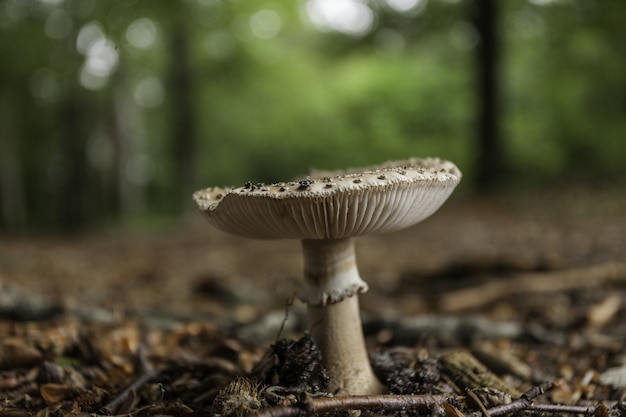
x: 73, y: 215
x: 13, y: 210
x: 490, y: 153
x: 183, y: 134
x: 114, y: 173
x: 129, y: 142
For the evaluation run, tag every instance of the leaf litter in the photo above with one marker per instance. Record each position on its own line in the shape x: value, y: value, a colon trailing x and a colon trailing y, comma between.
x: 494, y: 306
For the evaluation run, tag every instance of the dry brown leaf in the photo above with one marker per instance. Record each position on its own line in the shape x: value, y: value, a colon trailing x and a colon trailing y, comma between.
x: 564, y: 393
x: 55, y: 393
x: 601, y: 411
x: 452, y: 411
x: 15, y: 354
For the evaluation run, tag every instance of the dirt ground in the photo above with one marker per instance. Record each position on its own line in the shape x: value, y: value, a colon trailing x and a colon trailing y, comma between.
x: 531, y: 285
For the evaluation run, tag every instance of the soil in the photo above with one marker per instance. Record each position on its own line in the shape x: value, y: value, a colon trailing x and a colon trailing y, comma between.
x: 486, y: 300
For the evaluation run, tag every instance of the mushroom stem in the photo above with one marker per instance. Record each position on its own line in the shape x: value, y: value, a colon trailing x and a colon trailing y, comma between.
x: 337, y: 331
x: 330, y: 271
x: 331, y: 288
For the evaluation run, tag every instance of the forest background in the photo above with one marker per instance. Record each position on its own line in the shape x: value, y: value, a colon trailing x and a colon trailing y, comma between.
x: 113, y: 112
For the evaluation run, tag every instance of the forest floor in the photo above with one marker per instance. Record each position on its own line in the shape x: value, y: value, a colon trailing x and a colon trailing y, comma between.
x: 526, y: 289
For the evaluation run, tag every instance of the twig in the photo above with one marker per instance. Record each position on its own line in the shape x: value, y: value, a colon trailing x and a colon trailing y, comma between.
x: 288, y: 305
x: 422, y: 403
x: 561, y: 408
x: 546, y: 408
x: 114, y: 404
x: 523, y: 403
x: 541, y: 389
x: 419, y: 403
x: 147, y: 373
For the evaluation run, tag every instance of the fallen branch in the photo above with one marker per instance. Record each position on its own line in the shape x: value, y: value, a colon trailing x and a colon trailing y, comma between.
x: 467, y: 372
x: 553, y: 281
x: 525, y: 403
x: 421, y: 403
x: 544, y: 408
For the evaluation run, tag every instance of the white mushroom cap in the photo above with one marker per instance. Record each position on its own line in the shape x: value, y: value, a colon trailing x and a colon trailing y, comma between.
x: 345, y: 204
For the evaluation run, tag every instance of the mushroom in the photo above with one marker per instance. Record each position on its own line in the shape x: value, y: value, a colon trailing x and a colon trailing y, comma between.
x: 326, y: 211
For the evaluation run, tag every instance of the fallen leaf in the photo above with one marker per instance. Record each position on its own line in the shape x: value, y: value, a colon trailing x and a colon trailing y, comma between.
x: 15, y: 354
x: 55, y: 393
x: 452, y: 411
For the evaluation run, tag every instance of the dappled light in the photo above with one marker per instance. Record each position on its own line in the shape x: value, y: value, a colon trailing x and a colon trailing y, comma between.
x: 265, y: 24
x: 407, y: 6
x: 463, y: 35
x: 141, y: 33
x: 149, y: 92
x: 140, y: 169
x: 51, y: 2
x: 542, y: 2
x: 219, y: 45
x: 58, y: 24
x: 89, y: 35
x: 348, y: 16
x: 527, y: 23
x: 101, y: 56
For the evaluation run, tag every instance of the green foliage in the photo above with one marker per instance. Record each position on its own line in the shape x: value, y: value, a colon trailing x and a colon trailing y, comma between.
x: 566, y: 114
x: 268, y: 105
x: 310, y: 111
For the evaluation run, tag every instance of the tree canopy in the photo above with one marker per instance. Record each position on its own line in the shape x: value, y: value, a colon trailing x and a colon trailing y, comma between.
x: 110, y: 109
